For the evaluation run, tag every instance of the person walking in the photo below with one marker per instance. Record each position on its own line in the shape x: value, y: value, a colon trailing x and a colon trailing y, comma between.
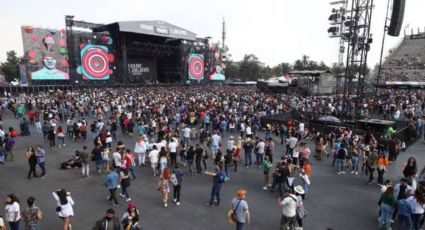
x: 289, y: 213
x: 240, y: 209
x: 31, y: 215
x: 177, y: 180
x: 417, y: 202
x: 64, y: 207
x: 131, y: 218
x: 108, y: 222
x: 154, y: 157
x: 301, y: 213
x: 41, y: 160
x: 371, y: 165
x: 112, y: 184
x: 266, y: 170
x: 163, y: 185
x: 219, y: 177
x: 125, y: 182
x: 387, y: 203
x: 13, y: 211
x: 381, y: 163
x: 32, y: 161
x: 60, y: 133
x: 140, y: 150
x: 199, y: 151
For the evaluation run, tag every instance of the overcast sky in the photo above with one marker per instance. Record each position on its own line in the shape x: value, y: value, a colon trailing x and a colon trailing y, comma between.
x: 274, y: 30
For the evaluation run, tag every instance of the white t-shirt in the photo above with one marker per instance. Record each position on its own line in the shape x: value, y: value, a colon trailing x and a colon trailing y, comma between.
x: 289, y: 206
x: 248, y: 130
x: 140, y: 147
x: 153, y: 156
x: 416, y: 207
x: 1, y: 222
x: 172, y: 146
x: 215, y: 140
x: 186, y: 132
x: 261, y: 146
x: 10, y: 208
x: 117, y: 159
x: 301, y: 127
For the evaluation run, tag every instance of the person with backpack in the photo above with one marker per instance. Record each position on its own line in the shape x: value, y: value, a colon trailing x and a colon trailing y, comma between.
x: 176, y: 180
x: 289, y: 213
x: 32, y: 161
x: 240, y: 212
x: 219, y: 177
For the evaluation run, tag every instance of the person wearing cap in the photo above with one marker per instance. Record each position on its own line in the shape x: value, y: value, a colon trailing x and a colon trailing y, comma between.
x: 289, y: 213
x: 240, y: 207
x: 299, y: 192
x: 31, y: 215
x: 108, y: 222
x: 131, y: 217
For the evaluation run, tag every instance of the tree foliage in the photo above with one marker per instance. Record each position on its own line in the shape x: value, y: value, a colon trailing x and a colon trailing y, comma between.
x: 10, y: 68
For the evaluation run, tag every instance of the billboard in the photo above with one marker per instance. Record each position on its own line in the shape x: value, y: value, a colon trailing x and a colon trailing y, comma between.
x: 46, y: 52
x: 95, y: 61
x: 195, y: 66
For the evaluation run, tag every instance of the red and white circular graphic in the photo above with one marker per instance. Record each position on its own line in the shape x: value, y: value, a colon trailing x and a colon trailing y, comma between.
x: 196, y: 67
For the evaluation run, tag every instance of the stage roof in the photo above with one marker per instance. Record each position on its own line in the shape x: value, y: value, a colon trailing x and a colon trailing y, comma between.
x: 155, y: 28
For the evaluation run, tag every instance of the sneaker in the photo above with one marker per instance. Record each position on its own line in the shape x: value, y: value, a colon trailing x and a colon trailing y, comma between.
x: 42, y: 177
x: 122, y: 195
x: 342, y: 172
x: 178, y: 203
x: 165, y: 205
x: 265, y: 188
x: 128, y: 199
x: 352, y: 172
x: 339, y: 173
x: 357, y: 173
x: 175, y: 200
x: 116, y: 205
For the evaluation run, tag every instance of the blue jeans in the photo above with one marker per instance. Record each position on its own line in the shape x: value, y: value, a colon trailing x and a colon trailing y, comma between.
x: 340, y: 164
x: 133, y: 173
x: 124, y: 191
x: 248, y: 158
x: 43, y: 168
x: 99, y: 164
x: 259, y: 158
x: 14, y: 225
x: 215, y: 193
x: 268, y: 134
x: 416, y: 219
x: 355, y: 160
x: 61, y: 140
x: 404, y: 222
x: 239, y: 225
x: 385, y: 218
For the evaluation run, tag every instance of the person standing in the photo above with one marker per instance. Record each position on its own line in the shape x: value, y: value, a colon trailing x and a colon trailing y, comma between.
x: 289, y: 213
x: 13, y: 211
x: 129, y: 162
x: 64, y: 207
x: 261, y: 146
x: 112, y: 184
x: 125, y: 182
x: 32, y: 215
x: 381, y: 163
x: 177, y: 180
x: 172, y: 148
x: 266, y: 170
x: 240, y: 208
x: 248, y: 146
x: 417, y: 202
x: 9, y: 144
x: 108, y: 222
x: 97, y: 156
x: 199, y: 151
x: 85, y: 169
x: 41, y: 159
x: 387, y: 203
x: 140, y: 150
x: 32, y: 161
x: 299, y: 192
x: 60, y: 133
x: 219, y: 177
x: 371, y: 165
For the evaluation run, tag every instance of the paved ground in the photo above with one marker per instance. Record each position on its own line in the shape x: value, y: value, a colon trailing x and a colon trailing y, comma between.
x: 338, y: 202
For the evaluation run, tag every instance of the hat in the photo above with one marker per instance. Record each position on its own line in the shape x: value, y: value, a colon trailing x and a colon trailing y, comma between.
x: 231, y: 137
x: 248, y: 139
x: 240, y: 193
x: 298, y: 189
x: 131, y: 204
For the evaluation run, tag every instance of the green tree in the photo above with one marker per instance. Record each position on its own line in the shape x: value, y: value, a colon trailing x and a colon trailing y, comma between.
x: 10, y: 67
x: 286, y: 68
x: 232, y: 71
x: 250, y: 70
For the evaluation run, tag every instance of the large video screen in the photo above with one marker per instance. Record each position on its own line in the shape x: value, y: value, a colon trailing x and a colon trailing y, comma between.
x: 46, y: 52
x: 142, y: 70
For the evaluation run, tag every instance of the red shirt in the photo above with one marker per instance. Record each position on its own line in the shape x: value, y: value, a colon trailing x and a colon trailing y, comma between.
x: 31, y: 115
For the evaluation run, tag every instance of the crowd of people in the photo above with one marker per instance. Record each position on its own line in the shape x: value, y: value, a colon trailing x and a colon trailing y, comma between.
x: 179, y: 131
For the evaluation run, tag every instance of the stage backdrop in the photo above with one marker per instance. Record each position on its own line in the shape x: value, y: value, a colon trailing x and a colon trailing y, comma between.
x: 46, y: 52
x: 142, y: 70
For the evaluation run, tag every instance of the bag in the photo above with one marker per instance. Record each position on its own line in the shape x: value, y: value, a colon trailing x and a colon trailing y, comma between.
x: 58, y: 208
x: 173, y: 179
x: 221, y: 177
x: 301, y: 212
x: 233, y: 213
x: 125, y: 182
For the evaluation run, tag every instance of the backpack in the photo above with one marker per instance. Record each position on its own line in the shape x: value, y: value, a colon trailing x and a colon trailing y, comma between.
x: 13, y: 133
x: 173, y: 179
x: 221, y: 177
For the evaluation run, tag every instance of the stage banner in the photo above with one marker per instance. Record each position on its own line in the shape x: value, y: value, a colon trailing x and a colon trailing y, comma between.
x: 95, y: 61
x: 142, y: 70
x: 196, y: 67
x: 22, y: 74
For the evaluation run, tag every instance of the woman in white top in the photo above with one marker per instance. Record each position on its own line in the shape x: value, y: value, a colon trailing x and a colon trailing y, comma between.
x: 13, y: 212
x: 418, y: 204
x: 64, y: 208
